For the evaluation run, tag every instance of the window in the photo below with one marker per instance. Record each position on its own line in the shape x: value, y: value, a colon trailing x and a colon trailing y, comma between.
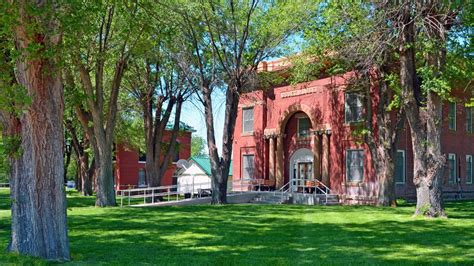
x: 469, y: 167
x: 141, y: 178
x: 303, y: 126
x: 400, y: 167
x: 248, y: 166
x: 353, y: 107
x: 452, y: 116
x: 452, y: 168
x: 247, y: 120
x: 355, y: 165
x: 469, y: 115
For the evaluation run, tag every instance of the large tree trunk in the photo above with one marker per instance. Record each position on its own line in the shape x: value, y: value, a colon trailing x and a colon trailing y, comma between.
x: 382, y: 138
x: 435, y: 159
x: 385, y: 170
x: 105, y: 193
x: 425, y: 124
x: 220, y: 166
x: 39, y: 224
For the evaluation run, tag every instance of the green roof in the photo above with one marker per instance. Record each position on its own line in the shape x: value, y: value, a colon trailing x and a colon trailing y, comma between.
x: 182, y: 127
x: 205, y: 164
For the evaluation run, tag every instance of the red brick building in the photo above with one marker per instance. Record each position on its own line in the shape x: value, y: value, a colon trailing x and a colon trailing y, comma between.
x: 304, y: 132
x: 130, y: 164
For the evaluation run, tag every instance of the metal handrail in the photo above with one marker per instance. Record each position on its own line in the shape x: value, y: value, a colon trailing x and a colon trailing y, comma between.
x: 172, y: 190
x: 326, y: 190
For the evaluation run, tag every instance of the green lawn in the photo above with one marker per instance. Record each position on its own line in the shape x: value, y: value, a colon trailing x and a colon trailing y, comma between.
x: 259, y: 235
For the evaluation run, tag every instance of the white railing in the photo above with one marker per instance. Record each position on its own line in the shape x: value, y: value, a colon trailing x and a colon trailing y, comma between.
x: 170, y: 193
x: 173, y: 193
x: 150, y: 195
x: 310, y: 186
x: 4, y: 185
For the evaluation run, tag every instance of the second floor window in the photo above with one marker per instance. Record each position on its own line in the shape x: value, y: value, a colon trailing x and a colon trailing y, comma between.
x: 452, y: 116
x: 353, y: 107
x: 247, y: 120
x: 303, y: 126
x: 469, y: 115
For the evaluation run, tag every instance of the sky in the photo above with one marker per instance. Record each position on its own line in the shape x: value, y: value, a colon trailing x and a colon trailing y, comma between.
x: 193, y: 115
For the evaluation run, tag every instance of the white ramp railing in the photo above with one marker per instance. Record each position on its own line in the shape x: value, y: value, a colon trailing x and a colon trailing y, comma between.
x: 152, y: 195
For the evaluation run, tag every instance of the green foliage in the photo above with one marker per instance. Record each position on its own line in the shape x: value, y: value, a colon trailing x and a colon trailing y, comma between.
x: 198, y: 146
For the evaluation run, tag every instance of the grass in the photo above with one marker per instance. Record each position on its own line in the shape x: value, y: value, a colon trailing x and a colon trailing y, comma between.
x: 259, y: 235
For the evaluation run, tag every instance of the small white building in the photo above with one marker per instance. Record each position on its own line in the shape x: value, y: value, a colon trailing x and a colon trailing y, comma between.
x: 196, y: 177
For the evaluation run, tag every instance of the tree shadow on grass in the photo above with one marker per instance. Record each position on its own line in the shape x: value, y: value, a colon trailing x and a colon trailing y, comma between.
x: 244, y: 234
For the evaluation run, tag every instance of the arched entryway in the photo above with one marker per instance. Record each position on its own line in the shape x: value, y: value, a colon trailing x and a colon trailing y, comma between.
x: 286, y: 140
x: 301, y: 168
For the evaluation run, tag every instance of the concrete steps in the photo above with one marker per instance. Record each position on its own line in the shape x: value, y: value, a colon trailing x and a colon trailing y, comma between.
x: 271, y: 198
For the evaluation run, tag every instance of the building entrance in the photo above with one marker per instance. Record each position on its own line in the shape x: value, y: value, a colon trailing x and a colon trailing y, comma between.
x: 301, y: 169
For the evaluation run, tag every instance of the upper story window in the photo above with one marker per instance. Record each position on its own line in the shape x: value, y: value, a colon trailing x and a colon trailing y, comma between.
x: 248, y: 166
x: 452, y: 116
x: 247, y: 120
x: 355, y: 165
x: 400, y: 167
x: 452, y: 168
x: 303, y: 126
x: 469, y: 167
x: 469, y: 115
x: 353, y: 107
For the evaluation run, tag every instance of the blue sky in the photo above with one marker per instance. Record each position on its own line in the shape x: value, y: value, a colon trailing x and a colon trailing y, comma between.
x: 193, y: 115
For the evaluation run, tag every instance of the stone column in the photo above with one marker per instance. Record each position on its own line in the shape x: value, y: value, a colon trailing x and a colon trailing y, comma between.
x: 280, y: 179
x: 271, y: 161
x: 325, y: 160
x: 316, y: 156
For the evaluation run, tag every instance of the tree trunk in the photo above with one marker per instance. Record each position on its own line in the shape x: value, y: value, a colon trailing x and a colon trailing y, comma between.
x: 105, y: 192
x: 220, y: 167
x: 425, y: 124
x: 39, y: 223
x: 383, y: 137
x: 435, y: 159
x: 385, y: 170
x: 67, y: 155
x: 85, y: 175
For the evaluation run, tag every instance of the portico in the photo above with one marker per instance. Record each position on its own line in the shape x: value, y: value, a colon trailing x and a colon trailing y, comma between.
x: 297, y: 155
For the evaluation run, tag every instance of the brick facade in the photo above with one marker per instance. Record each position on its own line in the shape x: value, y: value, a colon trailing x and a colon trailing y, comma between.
x: 128, y: 165
x: 276, y: 146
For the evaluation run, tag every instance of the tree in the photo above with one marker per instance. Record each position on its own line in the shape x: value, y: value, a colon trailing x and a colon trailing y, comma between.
x: 423, y: 30
x: 225, y: 43
x: 345, y: 37
x: 159, y: 87
x: 32, y: 121
x: 101, y: 37
x: 198, y: 146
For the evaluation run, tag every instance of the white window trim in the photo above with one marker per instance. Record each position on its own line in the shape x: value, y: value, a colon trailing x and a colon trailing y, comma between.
x: 243, y: 120
x: 404, y: 168
x: 453, y: 155
x: 454, y: 117
x: 347, y: 168
x: 469, y: 181
x: 298, y: 126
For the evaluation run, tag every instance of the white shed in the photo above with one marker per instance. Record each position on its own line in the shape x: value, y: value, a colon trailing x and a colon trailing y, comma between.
x: 196, y: 177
